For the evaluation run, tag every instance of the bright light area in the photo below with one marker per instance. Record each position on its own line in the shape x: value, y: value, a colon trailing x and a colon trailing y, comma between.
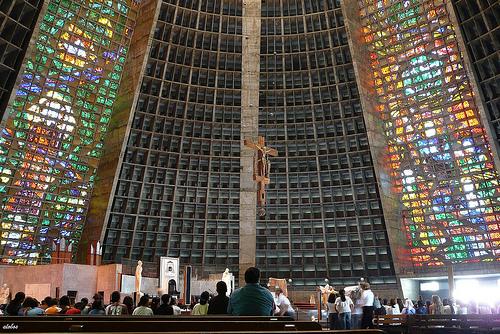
x: 467, y: 290
x: 430, y: 286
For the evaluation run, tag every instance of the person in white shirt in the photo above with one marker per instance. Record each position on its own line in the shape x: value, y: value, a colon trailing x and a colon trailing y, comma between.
x: 333, y: 316
x: 394, y: 307
x: 367, y: 299
x: 143, y: 307
x: 344, y: 307
x: 357, y: 314
x: 283, y: 304
x: 173, y: 303
x: 409, y: 308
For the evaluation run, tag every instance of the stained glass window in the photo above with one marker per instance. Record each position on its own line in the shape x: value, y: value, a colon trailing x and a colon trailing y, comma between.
x: 438, y: 152
x: 51, y: 142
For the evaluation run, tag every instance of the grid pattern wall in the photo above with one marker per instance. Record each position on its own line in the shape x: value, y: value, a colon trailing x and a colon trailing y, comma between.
x: 324, y: 217
x: 480, y: 24
x: 178, y: 187
x: 51, y: 142
x: 17, y: 20
x: 438, y: 152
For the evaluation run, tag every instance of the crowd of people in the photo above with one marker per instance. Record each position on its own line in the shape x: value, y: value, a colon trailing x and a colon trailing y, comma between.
x: 252, y: 299
x: 353, y: 309
x: 357, y: 312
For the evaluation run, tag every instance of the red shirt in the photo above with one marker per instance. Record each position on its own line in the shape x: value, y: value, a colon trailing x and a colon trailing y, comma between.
x: 73, y: 311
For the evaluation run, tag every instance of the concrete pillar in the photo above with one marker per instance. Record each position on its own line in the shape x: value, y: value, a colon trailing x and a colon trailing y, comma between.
x: 451, y: 281
x: 249, y: 130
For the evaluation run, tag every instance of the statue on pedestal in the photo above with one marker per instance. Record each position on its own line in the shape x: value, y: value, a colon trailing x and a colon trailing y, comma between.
x: 138, y: 277
x: 228, y: 278
x: 4, y: 294
x: 325, y: 292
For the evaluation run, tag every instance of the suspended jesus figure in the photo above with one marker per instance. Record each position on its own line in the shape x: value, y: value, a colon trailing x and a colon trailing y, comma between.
x: 261, y: 169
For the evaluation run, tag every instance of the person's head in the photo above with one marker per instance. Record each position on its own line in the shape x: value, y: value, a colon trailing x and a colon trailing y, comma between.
x: 392, y: 302
x: 408, y: 304
x: 79, y: 306
x: 84, y: 301
x: 420, y: 304
x: 115, y: 297
x: 64, y: 301
x: 173, y: 301
x: 427, y: 303
x: 19, y: 297
x: 331, y: 298
x: 400, y: 303
x: 278, y: 291
x: 30, y: 302
x: 221, y: 288
x: 97, y: 296
x: 127, y: 300
x: 52, y: 302
x: 97, y: 304
x: 365, y: 286
x: 204, y: 297
x: 252, y: 275
x: 436, y: 300
x: 445, y: 302
x: 165, y: 299
x: 385, y: 301
x: 45, y: 302
x: 144, y: 301
x: 342, y: 295
x: 155, y: 301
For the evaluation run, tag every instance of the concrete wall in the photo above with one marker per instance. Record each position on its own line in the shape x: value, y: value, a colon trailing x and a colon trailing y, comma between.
x: 249, y: 130
x: 376, y: 138
x: 87, y: 280
x: 119, y: 128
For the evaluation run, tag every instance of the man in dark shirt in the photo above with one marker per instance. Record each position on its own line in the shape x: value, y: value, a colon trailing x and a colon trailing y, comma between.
x: 252, y: 299
x: 218, y: 304
x: 165, y: 307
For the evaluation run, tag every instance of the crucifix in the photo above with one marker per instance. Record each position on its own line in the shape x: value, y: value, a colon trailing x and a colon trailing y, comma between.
x: 261, y: 168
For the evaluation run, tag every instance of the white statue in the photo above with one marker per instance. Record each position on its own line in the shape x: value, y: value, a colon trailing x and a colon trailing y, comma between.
x: 138, y: 277
x: 325, y: 292
x: 228, y: 278
x: 4, y: 294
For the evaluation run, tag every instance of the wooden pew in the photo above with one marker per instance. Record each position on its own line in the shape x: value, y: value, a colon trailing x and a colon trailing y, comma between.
x: 77, y: 317
x: 390, y: 323
x: 437, y: 324
x: 54, y: 325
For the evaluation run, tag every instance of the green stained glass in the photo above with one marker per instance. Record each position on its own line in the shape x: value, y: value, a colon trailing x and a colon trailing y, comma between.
x: 66, y: 71
x: 433, y: 133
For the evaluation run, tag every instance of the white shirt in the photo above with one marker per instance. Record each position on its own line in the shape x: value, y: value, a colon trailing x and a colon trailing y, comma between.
x: 358, y: 307
x: 343, y: 307
x: 283, y: 302
x: 177, y: 310
x: 331, y: 308
x: 142, y: 310
x: 367, y: 298
x: 394, y: 309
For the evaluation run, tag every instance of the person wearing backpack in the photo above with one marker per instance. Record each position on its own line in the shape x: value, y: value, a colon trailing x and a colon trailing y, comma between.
x: 344, y: 307
x: 116, y: 308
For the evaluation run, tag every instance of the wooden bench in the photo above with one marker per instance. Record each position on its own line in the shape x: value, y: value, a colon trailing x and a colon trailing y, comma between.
x: 358, y: 331
x: 459, y: 323
x: 436, y: 324
x: 77, y: 317
x: 390, y: 323
x: 55, y: 325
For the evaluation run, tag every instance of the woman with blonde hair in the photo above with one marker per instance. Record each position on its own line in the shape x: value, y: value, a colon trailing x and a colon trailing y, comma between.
x: 436, y: 306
